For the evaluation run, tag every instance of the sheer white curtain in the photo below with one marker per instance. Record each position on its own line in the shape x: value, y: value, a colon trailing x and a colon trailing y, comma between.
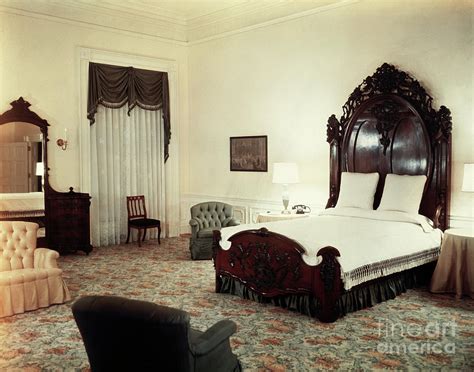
x: 126, y: 159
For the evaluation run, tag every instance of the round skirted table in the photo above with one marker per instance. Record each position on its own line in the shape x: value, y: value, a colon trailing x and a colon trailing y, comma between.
x: 454, y: 271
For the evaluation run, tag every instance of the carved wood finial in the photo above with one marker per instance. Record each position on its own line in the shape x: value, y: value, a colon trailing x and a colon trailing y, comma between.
x: 20, y: 104
x: 441, y: 130
x: 334, y: 130
x: 262, y: 232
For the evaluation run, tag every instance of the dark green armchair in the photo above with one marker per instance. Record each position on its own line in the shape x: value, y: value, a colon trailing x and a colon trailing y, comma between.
x: 122, y: 334
x: 205, y: 218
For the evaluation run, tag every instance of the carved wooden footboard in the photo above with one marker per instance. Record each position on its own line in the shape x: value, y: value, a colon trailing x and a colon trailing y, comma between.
x: 271, y: 265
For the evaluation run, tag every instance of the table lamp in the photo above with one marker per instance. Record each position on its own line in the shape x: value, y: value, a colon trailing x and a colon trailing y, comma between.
x: 285, y: 173
x: 468, y: 179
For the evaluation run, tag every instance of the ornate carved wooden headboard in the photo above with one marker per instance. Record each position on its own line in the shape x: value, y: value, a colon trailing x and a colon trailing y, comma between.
x: 389, y: 126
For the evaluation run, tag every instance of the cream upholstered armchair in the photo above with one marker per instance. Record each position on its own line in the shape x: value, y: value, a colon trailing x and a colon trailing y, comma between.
x: 205, y: 218
x: 29, y: 276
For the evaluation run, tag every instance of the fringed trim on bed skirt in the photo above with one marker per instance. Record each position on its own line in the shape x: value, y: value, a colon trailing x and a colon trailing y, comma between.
x: 360, y: 297
x: 383, y: 268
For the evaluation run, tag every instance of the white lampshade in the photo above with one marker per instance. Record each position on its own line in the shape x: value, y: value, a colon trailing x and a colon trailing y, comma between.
x: 285, y: 173
x: 468, y: 179
x: 40, y: 169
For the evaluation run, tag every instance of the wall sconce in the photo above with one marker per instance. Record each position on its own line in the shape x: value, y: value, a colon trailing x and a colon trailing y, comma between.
x: 62, y: 142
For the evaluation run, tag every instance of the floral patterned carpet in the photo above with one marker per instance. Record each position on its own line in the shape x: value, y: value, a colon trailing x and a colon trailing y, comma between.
x: 417, y: 330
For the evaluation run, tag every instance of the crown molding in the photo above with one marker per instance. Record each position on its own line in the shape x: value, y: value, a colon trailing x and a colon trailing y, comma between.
x: 92, y: 26
x: 254, y: 15
x: 219, y: 26
x: 168, y: 26
x: 106, y: 18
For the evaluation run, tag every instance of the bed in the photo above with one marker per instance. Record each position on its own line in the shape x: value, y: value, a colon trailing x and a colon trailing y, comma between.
x: 390, y: 129
x: 22, y: 207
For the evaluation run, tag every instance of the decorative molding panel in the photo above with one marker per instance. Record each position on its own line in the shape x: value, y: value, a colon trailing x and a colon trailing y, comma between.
x: 461, y: 222
x: 246, y: 210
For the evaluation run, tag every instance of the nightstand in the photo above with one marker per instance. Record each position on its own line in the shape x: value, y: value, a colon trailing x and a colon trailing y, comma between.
x: 454, y: 271
x: 270, y: 217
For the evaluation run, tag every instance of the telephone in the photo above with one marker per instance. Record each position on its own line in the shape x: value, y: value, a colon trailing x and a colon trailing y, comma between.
x: 301, y: 209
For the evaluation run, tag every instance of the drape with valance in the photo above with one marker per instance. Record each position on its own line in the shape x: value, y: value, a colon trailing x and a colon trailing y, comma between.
x: 127, y: 158
x: 114, y: 86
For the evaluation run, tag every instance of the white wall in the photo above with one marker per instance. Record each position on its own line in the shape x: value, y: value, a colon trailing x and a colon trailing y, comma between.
x: 285, y: 80
x: 282, y: 80
x: 39, y: 61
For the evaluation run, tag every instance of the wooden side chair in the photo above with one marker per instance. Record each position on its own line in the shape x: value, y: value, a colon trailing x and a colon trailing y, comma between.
x: 137, y: 218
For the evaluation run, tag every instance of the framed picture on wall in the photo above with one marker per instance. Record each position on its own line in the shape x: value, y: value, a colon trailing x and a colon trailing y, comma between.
x: 248, y: 154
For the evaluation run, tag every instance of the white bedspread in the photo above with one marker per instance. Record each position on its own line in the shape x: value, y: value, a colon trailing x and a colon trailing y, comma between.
x: 372, y: 243
x: 19, y: 202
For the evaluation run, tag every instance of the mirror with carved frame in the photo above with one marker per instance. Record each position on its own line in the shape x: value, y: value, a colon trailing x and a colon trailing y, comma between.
x: 23, y: 164
x: 65, y: 215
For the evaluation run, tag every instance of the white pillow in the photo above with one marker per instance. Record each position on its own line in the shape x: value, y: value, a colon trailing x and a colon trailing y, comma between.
x: 357, y: 190
x: 402, y: 193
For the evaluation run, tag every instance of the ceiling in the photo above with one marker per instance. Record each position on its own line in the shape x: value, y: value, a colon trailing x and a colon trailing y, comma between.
x: 181, y: 21
x: 180, y: 9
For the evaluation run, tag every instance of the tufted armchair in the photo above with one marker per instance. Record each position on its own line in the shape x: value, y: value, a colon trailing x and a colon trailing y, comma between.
x: 29, y: 276
x: 205, y: 218
x: 122, y: 334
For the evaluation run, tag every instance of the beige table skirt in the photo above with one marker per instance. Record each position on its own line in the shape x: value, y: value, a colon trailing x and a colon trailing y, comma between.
x: 454, y: 271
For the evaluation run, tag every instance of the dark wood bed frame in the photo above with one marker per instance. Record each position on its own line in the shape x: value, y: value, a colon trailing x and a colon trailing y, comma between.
x: 388, y: 126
